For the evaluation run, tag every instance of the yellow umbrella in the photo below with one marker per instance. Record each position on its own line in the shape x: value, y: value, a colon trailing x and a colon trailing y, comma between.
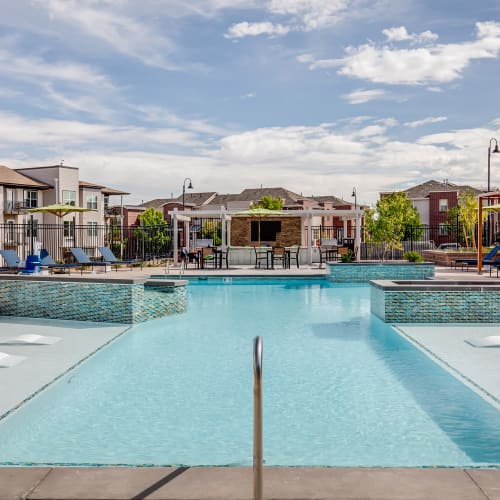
x: 60, y: 210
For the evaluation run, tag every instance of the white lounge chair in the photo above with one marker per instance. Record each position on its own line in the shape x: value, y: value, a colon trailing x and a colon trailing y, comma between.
x: 31, y: 339
x: 491, y: 341
x: 8, y: 360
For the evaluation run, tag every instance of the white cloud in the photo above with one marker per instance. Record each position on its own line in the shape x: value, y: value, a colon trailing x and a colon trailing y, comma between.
x: 57, y: 134
x: 322, y: 159
x: 244, y: 29
x: 360, y: 96
x: 36, y: 69
x: 250, y: 95
x: 425, y: 121
x: 401, y: 34
x: 311, y: 14
x: 106, y: 22
x: 440, y: 63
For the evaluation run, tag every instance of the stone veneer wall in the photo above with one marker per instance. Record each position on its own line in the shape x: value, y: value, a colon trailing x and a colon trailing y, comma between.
x: 436, y: 306
x: 87, y: 301
x: 362, y: 272
x: 291, y: 232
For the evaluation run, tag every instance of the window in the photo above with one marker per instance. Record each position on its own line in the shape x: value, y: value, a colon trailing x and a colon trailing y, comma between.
x: 444, y: 229
x: 106, y: 201
x: 69, y: 198
x: 69, y: 229
x: 443, y: 205
x: 92, y: 201
x: 30, y: 198
x: 268, y: 230
x: 92, y: 228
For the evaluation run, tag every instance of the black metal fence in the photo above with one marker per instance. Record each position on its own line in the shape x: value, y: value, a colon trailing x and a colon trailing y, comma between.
x: 416, y: 238
x: 145, y: 242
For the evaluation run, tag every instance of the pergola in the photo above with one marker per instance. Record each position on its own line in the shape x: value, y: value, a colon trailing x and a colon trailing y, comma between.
x: 185, y: 216
x: 489, y: 208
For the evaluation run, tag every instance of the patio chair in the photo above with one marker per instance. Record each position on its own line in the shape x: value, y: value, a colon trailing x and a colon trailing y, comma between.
x: 261, y: 256
x: 12, y: 260
x: 83, y: 259
x: 208, y: 258
x: 109, y: 256
x: 279, y: 254
x: 47, y: 261
x: 489, y: 259
x: 293, y: 254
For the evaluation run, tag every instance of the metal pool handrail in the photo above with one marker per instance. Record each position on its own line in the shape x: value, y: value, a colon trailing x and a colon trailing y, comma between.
x: 257, y: 419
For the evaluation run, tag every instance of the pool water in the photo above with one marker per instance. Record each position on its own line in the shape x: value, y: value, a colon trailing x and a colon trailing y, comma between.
x: 341, y: 388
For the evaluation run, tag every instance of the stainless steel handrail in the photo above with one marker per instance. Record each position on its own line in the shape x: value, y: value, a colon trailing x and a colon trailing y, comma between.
x: 182, y: 268
x: 257, y: 419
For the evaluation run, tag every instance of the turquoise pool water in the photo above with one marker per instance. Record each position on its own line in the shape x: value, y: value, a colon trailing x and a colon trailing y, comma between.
x: 341, y: 388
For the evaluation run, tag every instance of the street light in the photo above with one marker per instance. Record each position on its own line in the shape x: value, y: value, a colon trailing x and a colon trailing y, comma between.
x: 355, y: 198
x: 184, y: 189
x: 495, y: 150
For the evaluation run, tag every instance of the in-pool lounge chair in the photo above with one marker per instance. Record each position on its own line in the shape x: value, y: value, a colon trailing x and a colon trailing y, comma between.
x: 83, y: 259
x: 12, y: 260
x: 46, y: 261
x: 109, y: 256
x: 488, y: 259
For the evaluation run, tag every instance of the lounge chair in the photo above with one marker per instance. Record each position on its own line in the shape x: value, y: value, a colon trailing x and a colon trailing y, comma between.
x: 47, y: 261
x: 30, y: 339
x: 83, y: 259
x: 488, y: 259
x: 8, y: 360
x: 491, y: 341
x: 109, y: 256
x: 12, y: 260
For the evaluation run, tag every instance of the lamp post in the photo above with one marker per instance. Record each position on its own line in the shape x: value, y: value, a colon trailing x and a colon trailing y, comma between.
x: 355, y: 198
x: 495, y: 150
x: 190, y: 186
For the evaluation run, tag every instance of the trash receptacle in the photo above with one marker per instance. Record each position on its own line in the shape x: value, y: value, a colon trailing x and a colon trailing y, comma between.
x: 33, y: 263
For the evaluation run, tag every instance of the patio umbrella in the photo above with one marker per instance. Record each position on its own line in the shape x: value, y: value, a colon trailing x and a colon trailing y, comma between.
x: 257, y: 212
x: 59, y: 211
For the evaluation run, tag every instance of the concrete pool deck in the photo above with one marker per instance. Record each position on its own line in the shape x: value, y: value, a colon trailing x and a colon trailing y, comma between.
x: 223, y: 483
x: 235, y: 483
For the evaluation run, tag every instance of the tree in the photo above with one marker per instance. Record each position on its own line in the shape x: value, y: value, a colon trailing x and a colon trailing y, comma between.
x: 467, y: 213
x: 153, y: 233
x: 388, y: 222
x: 269, y: 202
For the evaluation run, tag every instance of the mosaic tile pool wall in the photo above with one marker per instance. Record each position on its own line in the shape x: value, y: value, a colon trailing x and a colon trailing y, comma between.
x: 90, y: 301
x: 435, y: 306
x: 362, y: 272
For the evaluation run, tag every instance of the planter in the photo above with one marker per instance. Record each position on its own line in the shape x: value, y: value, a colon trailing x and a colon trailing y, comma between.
x: 363, y: 272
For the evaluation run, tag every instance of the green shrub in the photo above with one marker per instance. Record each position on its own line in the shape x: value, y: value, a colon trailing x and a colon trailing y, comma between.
x: 348, y: 257
x: 413, y: 257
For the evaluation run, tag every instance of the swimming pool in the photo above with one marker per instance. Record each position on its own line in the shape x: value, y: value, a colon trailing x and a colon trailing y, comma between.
x: 341, y: 388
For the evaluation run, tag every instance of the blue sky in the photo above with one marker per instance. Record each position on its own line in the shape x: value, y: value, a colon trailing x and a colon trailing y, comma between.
x: 318, y: 96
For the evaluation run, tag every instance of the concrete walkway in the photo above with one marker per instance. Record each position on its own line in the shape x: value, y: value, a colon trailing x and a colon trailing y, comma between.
x: 221, y: 483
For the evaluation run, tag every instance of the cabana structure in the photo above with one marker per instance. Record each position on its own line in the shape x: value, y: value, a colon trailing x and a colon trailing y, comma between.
x: 305, y: 220
x: 493, y: 197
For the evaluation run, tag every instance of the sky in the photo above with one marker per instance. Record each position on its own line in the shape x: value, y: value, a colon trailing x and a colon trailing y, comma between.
x: 317, y: 96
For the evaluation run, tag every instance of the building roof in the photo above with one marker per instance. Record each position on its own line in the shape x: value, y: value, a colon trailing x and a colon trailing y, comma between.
x: 104, y: 189
x: 331, y: 199
x: 156, y: 203
x: 10, y: 177
x: 423, y: 190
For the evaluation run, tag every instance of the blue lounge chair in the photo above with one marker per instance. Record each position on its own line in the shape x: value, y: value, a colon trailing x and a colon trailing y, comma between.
x: 109, y: 256
x: 47, y: 261
x: 488, y: 259
x: 83, y: 259
x: 12, y: 260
